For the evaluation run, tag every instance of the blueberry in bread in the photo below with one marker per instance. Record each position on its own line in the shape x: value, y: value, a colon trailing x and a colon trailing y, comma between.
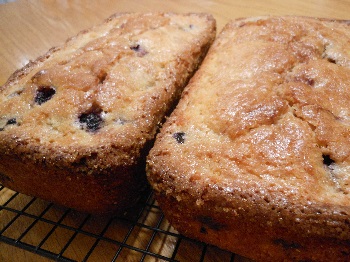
x: 76, y: 123
x: 256, y: 156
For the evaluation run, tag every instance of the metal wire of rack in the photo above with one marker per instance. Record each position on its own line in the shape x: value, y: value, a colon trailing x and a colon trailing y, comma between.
x: 62, y: 234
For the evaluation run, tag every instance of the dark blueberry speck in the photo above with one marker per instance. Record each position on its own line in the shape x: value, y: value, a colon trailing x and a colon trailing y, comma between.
x: 179, y: 137
x: 135, y: 47
x: 203, y: 230
x: 44, y: 94
x: 139, y: 49
x: 92, y: 121
x: 11, y: 121
x: 327, y: 160
x: 287, y: 245
x: 4, y: 178
x: 210, y: 223
x: 331, y: 60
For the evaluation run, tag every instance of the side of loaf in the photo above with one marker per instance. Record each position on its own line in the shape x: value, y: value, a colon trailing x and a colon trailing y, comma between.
x: 255, y: 158
x: 76, y: 124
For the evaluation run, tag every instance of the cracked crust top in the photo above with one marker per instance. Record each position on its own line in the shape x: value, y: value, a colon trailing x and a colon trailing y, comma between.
x: 109, y: 84
x: 76, y: 123
x: 263, y: 128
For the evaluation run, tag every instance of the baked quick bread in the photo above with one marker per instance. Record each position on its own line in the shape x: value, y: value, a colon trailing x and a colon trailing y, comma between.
x: 256, y: 156
x: 76, y: 124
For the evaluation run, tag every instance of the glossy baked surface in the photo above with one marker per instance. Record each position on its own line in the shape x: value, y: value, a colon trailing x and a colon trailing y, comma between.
x: 76, y: 123
x: 30, y: 28
x: 260, y: 138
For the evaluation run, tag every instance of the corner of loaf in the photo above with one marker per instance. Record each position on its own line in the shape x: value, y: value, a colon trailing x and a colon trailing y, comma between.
x: 255, y: 158
x: 76, y: 123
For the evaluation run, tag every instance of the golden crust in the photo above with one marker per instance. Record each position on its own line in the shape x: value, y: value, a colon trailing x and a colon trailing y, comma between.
x: 255, y: 158
x: 77, y: 123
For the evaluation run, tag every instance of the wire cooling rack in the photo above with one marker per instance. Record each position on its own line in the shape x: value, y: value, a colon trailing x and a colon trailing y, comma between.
x: 57, y: 233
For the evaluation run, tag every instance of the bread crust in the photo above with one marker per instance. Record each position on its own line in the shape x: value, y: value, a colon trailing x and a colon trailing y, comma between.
x: 77, y: 123
x: 255, y: 158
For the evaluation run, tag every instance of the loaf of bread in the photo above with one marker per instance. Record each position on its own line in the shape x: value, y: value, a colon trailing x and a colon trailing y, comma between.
x: 255, y: 158
x: 77, y: 123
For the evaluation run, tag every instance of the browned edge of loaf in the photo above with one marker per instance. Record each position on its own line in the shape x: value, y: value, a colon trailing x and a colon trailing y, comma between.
x: 78, y: 184
x: 237, y: 222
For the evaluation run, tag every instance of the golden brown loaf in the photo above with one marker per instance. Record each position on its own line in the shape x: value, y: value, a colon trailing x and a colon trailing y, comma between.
x: 256, y: 156
x: 76, y: 124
